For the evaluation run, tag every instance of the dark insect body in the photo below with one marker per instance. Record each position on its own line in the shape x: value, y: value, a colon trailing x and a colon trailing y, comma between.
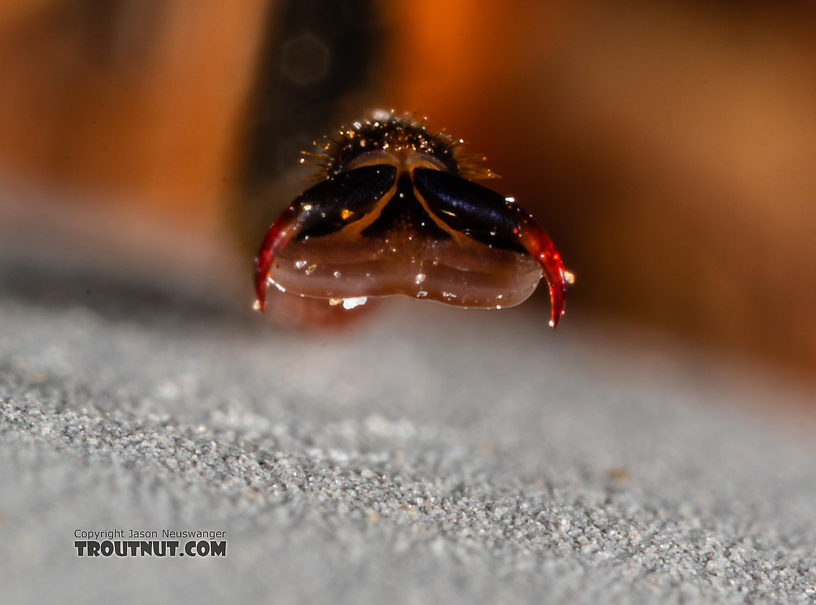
x: 397, y: 213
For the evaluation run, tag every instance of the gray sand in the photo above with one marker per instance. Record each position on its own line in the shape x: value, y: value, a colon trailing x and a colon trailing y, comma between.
x: 430, y: 455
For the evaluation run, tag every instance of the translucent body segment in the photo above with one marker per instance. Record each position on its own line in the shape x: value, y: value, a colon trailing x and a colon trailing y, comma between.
x: 398, y: 246
x: 324, y: 208
x: 488, y: 217
x: 465, y: 273
x: 410, y: 228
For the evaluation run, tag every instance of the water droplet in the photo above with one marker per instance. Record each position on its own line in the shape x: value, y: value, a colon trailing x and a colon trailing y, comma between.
x: 420, y: 277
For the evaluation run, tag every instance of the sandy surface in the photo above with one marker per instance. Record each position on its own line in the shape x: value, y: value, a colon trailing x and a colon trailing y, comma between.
x: 430, y: 455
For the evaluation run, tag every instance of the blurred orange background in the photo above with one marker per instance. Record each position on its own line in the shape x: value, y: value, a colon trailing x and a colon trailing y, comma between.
x: 668, y: 148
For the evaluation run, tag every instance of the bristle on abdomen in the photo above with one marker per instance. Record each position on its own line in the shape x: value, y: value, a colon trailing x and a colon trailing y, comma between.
x: 388, y: 131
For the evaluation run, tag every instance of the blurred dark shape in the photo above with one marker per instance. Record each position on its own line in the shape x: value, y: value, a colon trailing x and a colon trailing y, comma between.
x: 321, y: 64
x: 305, y: 59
